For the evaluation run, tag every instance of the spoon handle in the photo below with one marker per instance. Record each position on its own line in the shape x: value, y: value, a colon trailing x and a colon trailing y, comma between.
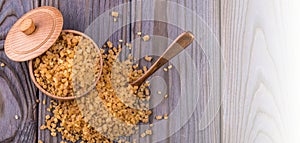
x: 180, y: 43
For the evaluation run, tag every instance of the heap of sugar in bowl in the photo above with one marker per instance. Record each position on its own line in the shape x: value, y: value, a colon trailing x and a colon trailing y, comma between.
x: 71, y: 62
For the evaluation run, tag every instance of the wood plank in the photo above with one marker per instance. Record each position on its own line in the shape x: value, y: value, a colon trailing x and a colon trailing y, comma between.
x: 18, y: 109
x: 255, y: 102
x: 160, y: 10
x: 78, y: 15
x: 81, y: 13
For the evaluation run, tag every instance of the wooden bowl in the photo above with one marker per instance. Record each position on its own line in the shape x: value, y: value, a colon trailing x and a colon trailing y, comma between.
x: 69, y: 97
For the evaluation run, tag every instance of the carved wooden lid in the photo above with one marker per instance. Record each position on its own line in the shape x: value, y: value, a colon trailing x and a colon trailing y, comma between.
x: 33, y: 34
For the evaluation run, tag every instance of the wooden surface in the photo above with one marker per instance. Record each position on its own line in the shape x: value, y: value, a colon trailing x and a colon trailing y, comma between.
x: 79, y: 14
x: 209, y: 12
x: 17, y: 92
x: 258, y: 105
x: 254, y: 89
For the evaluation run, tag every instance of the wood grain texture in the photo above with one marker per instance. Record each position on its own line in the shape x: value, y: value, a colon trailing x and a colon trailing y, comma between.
x: 253, y: 47
x: 209, y: 12
x: 254, y: 43
x: 78, y: 15
x: 18, y: 110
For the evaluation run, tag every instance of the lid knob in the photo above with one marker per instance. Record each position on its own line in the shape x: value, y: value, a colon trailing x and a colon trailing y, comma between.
x: 27, y: 26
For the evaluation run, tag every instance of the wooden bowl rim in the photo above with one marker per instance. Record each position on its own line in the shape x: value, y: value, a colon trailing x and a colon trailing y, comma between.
x: 70, y: 97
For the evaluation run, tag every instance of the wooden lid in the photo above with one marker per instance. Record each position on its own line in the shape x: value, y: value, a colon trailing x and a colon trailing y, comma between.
x: 33, y: 34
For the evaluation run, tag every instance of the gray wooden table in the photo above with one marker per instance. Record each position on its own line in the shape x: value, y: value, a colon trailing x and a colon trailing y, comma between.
x: 251, y: 95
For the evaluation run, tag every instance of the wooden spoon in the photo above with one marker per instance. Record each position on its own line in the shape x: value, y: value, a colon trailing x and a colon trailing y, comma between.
x: 180, y: 43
